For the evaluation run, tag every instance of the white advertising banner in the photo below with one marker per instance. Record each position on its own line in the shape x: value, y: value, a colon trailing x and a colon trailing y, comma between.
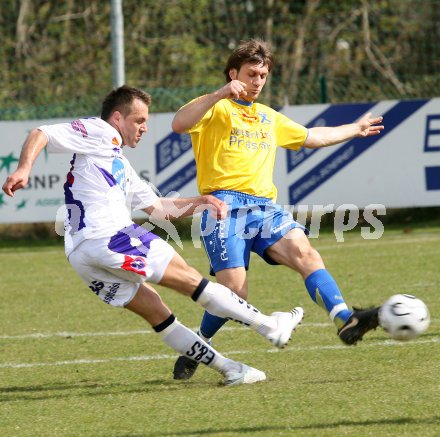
x: 398, y: 168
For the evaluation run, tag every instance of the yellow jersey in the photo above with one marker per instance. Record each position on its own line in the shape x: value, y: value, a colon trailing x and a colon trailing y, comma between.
x: 235, y: 143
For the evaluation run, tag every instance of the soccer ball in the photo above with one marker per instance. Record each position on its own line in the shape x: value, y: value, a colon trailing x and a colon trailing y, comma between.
x: 404, y: 316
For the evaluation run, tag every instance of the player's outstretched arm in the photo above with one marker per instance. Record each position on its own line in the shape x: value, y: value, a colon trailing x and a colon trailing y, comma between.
x: 190, y: 114
x: 329, y: 136
x: 171, y: 208
x: 34, y: 144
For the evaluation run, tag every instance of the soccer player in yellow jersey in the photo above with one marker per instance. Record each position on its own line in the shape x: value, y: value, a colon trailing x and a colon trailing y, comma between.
x: 234, y: 141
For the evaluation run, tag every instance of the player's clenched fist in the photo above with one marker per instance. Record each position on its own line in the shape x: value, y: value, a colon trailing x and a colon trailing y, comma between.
x: 234, y: 90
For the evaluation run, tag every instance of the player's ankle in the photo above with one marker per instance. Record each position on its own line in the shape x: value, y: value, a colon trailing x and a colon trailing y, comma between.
x: 231, y: 366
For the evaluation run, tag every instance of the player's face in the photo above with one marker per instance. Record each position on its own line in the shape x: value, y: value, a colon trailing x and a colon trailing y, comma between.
x: 254, y: 76
x: 134, y: 125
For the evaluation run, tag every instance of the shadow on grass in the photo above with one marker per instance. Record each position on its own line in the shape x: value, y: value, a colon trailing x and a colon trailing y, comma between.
x: 88, y: 388
x: 434, y: 420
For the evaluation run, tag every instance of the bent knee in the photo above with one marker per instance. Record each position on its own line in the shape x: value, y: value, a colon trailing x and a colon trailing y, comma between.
x: 305, y: 260
x: 310, y: 255
x: 309, y: 261
x: 181, y: 277
x: 241, y: 292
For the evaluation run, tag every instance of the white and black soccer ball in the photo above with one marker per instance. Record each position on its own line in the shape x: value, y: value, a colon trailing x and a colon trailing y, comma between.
x: 404, y: 316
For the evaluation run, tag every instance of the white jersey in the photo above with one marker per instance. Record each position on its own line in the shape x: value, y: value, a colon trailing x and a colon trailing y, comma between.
x: 101, y: 187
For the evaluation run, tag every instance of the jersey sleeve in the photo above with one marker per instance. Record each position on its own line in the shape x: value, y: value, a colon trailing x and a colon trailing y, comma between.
x: 140, y: 194
x: 78, y: 136
x: 204, y: 121
x: 290, y: 134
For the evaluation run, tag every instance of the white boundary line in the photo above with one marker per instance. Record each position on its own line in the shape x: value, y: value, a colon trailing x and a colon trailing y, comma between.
x: 41, y: 335
x: 385, y: 343
x: 67, y: 334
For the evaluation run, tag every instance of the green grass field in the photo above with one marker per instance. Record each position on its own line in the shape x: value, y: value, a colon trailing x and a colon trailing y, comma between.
x: 73, y: 366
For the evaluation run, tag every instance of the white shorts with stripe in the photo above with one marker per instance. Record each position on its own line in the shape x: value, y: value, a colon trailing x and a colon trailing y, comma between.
x: 113, y: 268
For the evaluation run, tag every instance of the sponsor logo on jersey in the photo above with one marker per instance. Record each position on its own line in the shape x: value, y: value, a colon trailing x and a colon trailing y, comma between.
x: 264, y: 118
x: 249, y: 117
x: 249, y: 139
x: 78, y: 126
x: 118, y: 172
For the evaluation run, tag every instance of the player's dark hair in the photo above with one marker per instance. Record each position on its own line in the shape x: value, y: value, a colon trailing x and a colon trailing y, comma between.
x: 252, y: 51
x: 120, y: 99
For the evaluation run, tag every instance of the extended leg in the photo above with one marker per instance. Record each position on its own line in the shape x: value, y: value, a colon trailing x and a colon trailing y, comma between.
x: 295, y: 251
x: 222, y: 302
x: 235, y: 279
x: 148, y: 304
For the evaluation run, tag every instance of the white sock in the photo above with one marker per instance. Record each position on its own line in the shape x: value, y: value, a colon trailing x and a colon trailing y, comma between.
x: 188, y: 343
x: 223, y: 302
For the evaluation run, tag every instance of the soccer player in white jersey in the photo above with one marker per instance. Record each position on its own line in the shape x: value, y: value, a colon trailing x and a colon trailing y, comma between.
x: 117, y: 258
x: 234, y: 140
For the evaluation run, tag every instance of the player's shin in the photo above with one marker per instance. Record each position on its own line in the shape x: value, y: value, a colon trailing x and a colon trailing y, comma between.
x: 222, y: 302
x: 187, y: 343
x: 325, y: 292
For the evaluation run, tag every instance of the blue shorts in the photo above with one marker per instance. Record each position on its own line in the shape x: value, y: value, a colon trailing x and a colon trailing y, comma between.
x: 253, y: 224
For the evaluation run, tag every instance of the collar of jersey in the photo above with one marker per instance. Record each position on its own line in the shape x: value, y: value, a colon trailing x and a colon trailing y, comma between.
x: 242, y: 102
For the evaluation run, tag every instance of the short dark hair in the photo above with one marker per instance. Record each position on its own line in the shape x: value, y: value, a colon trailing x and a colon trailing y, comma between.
x: 120, y: 99
x: 252, y: 51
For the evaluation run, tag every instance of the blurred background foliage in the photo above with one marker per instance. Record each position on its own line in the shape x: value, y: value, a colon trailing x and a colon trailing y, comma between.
x: 56, y: 56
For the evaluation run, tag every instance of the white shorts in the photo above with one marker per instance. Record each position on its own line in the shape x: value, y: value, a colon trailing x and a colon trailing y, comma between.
x: 114, y: 271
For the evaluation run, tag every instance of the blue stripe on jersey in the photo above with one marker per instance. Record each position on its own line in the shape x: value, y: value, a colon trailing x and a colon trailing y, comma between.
x: 75, y: 208
x: 242, y: 102
x: 107, y: 176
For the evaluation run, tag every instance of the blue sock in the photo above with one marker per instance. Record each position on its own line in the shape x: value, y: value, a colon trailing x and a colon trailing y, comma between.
x: 325, y: 292
x: 211, y: 324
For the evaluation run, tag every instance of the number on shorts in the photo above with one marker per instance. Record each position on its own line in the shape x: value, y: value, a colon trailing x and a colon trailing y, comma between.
x: 96, y: 287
